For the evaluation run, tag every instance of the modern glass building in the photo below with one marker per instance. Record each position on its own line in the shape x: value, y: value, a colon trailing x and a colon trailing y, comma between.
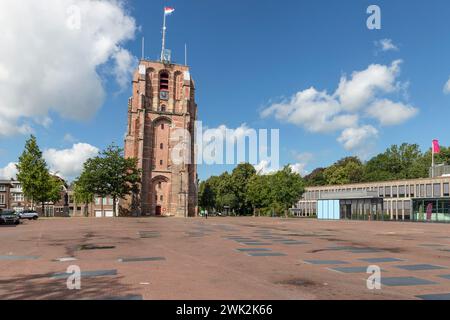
x: 404, y: 200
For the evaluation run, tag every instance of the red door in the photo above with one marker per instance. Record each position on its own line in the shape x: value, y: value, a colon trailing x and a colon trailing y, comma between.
x: 158, y: 210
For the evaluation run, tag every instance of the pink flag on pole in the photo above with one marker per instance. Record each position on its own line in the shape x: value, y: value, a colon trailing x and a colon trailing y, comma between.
x: 436, y: 147
x: 168, y: 10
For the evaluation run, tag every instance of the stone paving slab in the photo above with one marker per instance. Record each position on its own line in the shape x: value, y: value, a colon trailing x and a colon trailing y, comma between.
x: 95, y: 273
x: 253, y: 249
x: 19, y: 257
x: 438, y: 296
x: 352, y: 269
x: 405, y: 281
x: 266, y: 254
x: 420, y: 267
x: 320, y: 262
x: 381, y: 260
x: 141, y: 259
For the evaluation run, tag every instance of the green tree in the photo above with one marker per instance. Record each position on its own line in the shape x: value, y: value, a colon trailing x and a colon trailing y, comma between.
x: 259, y: 193
x: 82, y: 194
x: 37, y: 183
x: 316, y: 178
x: 345, y: 171
x: 110, y: 173
x: 240, y: 178
x: 206, y: 196
x: 287, y: 188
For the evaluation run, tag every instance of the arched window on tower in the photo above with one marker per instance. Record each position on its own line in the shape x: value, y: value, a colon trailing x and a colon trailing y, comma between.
x: 164, y: 86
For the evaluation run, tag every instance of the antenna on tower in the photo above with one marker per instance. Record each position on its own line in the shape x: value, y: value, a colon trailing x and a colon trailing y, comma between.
x: 185, y: 54
x: 143, y: 48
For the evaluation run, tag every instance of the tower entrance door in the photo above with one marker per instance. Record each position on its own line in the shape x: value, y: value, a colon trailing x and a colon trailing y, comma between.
x: 158, y: 210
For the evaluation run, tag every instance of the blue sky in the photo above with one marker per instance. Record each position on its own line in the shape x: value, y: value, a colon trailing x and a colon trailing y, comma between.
x: 246, y: 56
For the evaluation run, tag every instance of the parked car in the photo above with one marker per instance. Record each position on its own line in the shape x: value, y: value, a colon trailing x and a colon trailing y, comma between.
x: 28, y: 214
x: 9, y: 217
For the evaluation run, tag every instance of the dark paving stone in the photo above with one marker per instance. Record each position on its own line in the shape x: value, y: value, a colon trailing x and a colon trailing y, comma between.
x: 256, y: 243
x: 419, y: 267
x: 142, y: 259
x: 253, y: 249
x: 266, y: 254
x: 19, y: 257
x: 363, y: 250
x: 405, y: 281
x: 378, y: 260
x: 86, y: 274
x: 341, y: 248
x: 432, y: 245
x: 325, y: 262
x: 439, y: 296
x: 351, y: 269
x: 445, y: 276
x: 294, y: 242
x: 95, y: 247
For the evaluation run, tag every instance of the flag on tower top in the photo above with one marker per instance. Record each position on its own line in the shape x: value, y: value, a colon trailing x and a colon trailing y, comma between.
x: 168, y: 10
x: 436, y: 147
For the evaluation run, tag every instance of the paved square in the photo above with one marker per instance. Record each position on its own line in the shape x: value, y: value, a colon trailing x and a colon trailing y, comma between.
x: 420, y: 267
x: 220, y: 258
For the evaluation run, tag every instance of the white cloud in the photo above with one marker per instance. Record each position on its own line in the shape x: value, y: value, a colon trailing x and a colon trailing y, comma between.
x: 359, y: 139
x: 68, y: 163
x: 315, y: 111
x: 264, y: 167
x: 390, y: 113
x: 354, y: 99
x: 53, y: 65
x: 363, y: 85
x: 386, y: 45
x: 447, y: 87
x: 8, y: 172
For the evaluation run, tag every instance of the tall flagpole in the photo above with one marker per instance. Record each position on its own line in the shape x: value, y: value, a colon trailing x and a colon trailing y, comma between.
x: 163, y: 37
x: 432, y: 160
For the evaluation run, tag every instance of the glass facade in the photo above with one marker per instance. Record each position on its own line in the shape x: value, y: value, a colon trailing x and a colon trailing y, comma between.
x: 431, y: 210
x: 362, y: 209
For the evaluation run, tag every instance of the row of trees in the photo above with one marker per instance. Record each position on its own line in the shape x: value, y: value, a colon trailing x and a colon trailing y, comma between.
x: 245, y: 192
x: 406, y: 161
x: 107, y: 174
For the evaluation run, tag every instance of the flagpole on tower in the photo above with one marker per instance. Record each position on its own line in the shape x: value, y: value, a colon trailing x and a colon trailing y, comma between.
x: 163, y: 37
x: 432, y: 160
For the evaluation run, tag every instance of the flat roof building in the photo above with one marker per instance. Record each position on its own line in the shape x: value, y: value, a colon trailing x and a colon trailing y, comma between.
x: 405, y: 200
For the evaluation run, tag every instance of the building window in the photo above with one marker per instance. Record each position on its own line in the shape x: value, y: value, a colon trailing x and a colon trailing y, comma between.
x: 161, y: 198
x: 2, y: 199
x: 162, y: 126
x: 18, y: 197
x: 160, y: 162
x: 164, y: 82
x: 401, y: 191
x: 411, y: 191
x: 437, y: 190
x: 394, y: 191
x: 422, y: 190
x: 161, y: 146
x: 2, y: 188
x: 163, y: 108
x: 156, y: 197
x: 446, y: 190
x: 159, y: 185
x: 387, y: 191
x: 429, y: 191
x: 97, y: 201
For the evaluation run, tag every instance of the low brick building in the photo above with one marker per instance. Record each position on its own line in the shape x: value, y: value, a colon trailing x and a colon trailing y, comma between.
x: 5, y: 194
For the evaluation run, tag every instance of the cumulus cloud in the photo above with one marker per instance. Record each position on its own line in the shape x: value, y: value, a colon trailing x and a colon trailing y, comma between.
x: 55, y: 49
x: 447, y: 87
x: 390, y: 113
x: 315, y: 111
x: 386, y: 45
x: 356, y: 92
x: 9, y: 171
x: 359, y: 139
x: 264, y: 167
x: 68, y: 163
x: 355, y: 98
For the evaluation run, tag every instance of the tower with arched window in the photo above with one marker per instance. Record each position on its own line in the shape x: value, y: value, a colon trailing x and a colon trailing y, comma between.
x: 162, y: 102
